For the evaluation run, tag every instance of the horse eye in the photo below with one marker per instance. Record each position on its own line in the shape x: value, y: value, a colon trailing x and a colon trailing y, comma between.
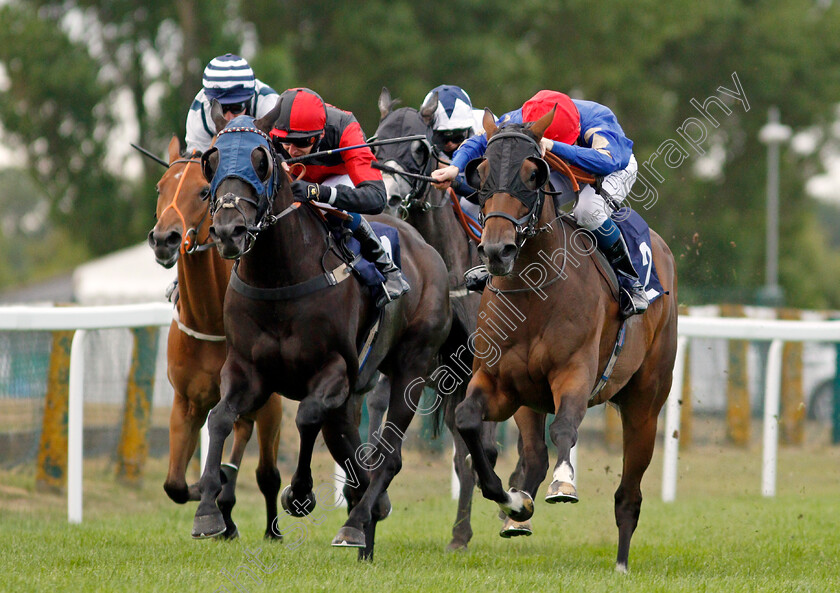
x: 533, y: 176
x: 205, y: 191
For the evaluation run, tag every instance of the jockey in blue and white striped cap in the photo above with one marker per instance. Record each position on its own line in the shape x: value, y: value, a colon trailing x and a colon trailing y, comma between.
x: 230, y: 80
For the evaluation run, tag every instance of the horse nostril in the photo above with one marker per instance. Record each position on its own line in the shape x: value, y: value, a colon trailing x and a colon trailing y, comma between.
x: 481, y: 251
x: 173, y: 239
x: 508, y: 251
x: 238, y: 231
x: 394, y: 201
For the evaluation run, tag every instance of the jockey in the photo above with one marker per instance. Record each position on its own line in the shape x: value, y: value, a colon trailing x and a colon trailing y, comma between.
x: 230, y: 80
x: 587, y: 135
x: 344, y: 180
x: 454, y: 121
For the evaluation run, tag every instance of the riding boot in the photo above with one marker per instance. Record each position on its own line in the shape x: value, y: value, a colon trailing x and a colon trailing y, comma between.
x: 636, y: 301
x: 476, y: 278
x: 395, y: 283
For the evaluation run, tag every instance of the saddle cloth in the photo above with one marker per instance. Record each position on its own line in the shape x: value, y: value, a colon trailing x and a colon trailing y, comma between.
x: 636, y: 234
x: 365, y: 270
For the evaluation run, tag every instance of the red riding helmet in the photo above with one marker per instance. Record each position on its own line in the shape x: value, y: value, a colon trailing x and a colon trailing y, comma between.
x: 565, y: 127
x: 303, y: 114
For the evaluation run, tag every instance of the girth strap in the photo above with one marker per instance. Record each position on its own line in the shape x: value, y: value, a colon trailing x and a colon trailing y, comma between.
x: 284, y: 293
x: 605, y: 376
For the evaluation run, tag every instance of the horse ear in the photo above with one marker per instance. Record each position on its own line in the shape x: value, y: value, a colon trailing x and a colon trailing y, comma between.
x: 489, y: 123
x: 427, y: 111
x: 471, y: 173
x: 262, y: 162
x: 266, y: 122
x: 174, y: 149
x: 539, y: 127
x: 217, y: 116
x: 209, y: 163
x: 542, y: 171
x: 384, y: 103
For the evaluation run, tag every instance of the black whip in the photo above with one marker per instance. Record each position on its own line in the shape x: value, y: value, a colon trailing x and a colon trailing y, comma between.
x: 312, y: 155
x: 145, y: 152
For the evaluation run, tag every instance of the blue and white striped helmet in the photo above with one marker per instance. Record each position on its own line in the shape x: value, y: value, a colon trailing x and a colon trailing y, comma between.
x: 454, y: 110
x: 229, y: 79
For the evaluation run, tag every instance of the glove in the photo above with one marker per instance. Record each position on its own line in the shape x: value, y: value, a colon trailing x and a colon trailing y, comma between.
x: 305, y: 190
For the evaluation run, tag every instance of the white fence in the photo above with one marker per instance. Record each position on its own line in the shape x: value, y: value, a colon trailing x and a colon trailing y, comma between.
x: 160, y: 314
x: 776, y: 332
x: 80, y: 319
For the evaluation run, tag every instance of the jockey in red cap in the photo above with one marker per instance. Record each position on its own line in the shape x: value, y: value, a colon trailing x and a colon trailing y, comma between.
x: 344, y: 180
x: 585, y: 134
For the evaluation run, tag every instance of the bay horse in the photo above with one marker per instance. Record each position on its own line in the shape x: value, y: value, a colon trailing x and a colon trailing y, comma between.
x: 294, y: 324
x: 431, y: 212
x: 196, y: 345
x: 551, y: 342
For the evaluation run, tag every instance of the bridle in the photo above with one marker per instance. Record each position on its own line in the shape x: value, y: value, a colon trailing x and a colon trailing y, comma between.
x: 188, y: 243
x: 263, y: 204
x: 526, y: 226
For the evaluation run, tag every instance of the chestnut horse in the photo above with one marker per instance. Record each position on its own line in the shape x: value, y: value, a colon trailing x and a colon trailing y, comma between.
x: 295, y: 318
x: 196, y: 347
x: 430, y: 211
x: 550, y: 343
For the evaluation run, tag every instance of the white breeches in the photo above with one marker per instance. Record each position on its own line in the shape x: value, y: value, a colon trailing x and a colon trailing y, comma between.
x: 591, y: 210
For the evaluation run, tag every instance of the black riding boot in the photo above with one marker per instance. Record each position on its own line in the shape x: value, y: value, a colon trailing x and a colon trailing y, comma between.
x: 395, y: 284
x: 636, y: 301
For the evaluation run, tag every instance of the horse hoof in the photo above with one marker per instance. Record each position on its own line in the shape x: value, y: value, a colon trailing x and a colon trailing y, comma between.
x: 231, y: 533
x: 349, y: 537
x: 207, y: 526
x: 513, y: 528
x: 297, y: 508
x: 456, y: 547
x: 382, y: 509
x: 561, y: 492
x: 521, y: 509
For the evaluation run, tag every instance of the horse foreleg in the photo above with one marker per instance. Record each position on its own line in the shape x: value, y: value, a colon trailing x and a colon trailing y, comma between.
x: 382, y: 457
x: 341, y: 436
x: 242, y: 429
x: 268, y: 476
x: 328, y: 390
x: 209, y: 521
x: 185, y: 423
x: 570, y: 399
x: 468, y: 420
x: 531, y: 467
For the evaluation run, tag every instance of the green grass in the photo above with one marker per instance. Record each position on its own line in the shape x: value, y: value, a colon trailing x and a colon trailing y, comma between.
x: 720, y: 534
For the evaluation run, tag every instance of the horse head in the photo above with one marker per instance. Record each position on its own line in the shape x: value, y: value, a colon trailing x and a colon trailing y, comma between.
x: 415, y: 157
x: 245, y: 180
x: 509, y: 178
x: 182, y: 208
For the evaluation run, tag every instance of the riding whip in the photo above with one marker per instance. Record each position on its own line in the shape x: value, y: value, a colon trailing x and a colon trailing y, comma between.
x: 312, y: 155
x: 145, y: 152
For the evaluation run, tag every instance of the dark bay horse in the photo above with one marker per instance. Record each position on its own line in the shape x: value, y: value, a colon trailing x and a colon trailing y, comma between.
x: 430, y: 211
x: 196, y: 346
x: 294, y: 320
x: 550, y: 341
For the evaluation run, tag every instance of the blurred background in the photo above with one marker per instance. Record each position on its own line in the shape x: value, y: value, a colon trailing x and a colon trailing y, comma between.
x: 80, y: 80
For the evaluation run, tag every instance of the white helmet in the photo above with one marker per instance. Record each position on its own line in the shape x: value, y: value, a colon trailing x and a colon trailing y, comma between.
x: 454, y: 109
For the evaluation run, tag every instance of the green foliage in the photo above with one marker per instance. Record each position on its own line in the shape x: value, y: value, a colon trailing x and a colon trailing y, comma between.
x: 646, y: 59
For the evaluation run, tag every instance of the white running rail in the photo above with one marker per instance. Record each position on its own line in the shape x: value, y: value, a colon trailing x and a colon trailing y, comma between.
x: 776, y: 332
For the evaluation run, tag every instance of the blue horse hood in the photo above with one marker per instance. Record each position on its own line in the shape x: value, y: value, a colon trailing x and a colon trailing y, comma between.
x: 235, y: 144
